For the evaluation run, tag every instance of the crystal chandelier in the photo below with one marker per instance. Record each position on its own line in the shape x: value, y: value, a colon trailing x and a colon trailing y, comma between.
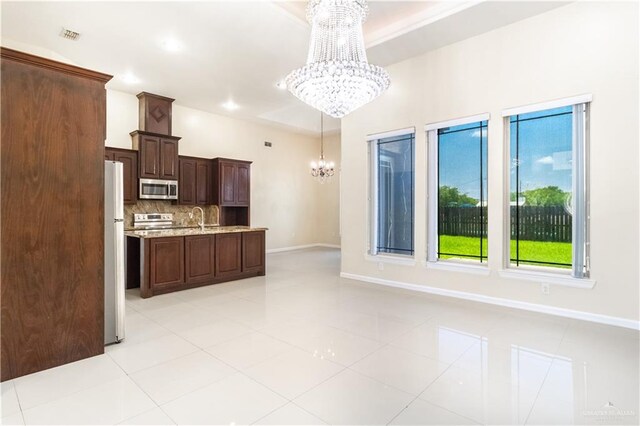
x: 322, y: 170
x: 337, y: 78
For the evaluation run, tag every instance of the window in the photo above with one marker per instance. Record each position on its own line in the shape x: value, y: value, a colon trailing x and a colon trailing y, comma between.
x: 547, y: 188
x: 392, y: 186
x: 458, y: 190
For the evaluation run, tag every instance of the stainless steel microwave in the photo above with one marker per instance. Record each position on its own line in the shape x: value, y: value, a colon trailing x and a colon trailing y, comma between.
x: 156, y: 189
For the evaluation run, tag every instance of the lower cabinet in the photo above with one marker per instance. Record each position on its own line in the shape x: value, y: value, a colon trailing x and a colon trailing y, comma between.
x: 176, y: 263
x: 228, y: 254
x: 253, y: 252
x: 166, y: 262
x: 199, y: 258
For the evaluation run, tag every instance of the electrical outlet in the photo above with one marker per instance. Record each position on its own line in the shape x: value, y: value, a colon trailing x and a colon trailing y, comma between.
x: 545, y: 288
x: 380, y: 266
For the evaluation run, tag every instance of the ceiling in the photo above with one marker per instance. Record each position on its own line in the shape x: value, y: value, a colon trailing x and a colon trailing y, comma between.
x: 205, y: 54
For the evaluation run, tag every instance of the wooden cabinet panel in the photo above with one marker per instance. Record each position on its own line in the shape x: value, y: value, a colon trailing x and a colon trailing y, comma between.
x: 195, y: 181
x: 253, y: 252
x: 168, y: 159
x: 154, y: 113
x: 231, y: 190
x: 109, y: 155
x: 228, y: 184
x: 166, y: 261
x: 129, y: 160
x: 157, y: 155
x: 149, y: 157
x: 242, y: 185
x: 203, y: 181
x: 228, y: 254
x: 187, y: 181
x: 52, y: 226
x: 199, y: 258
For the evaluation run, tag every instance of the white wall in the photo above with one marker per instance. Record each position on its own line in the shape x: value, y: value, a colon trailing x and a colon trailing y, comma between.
x: 284, y: 197
x: 584, y: 47
x: 329, y: 196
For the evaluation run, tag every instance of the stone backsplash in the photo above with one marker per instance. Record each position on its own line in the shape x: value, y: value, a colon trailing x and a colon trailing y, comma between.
x: 180, y: 213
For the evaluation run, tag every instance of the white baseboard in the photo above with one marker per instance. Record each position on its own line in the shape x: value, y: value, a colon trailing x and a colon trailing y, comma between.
x: 336, y: 246
x: 534, y: 307
x: 306, y: 246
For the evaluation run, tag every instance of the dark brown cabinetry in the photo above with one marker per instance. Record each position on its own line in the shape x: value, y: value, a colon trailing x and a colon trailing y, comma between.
x: 154, y: 113
x: 166, y: 262
x: 228, y: 254
x: 199, y: 258
x: 195, y: 181
x: 187, y: 181
x: 253, y: 252
x: 231, y: 182
x: 203, y: 181
x: 176, y: 263
x: 243, y: 184
x: 52, y: 213
x: 232, y: 190
x: 129, y: 160
x: 158, y: 155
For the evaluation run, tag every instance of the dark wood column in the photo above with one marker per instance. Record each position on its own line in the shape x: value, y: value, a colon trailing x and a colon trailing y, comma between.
x: 52, y: 213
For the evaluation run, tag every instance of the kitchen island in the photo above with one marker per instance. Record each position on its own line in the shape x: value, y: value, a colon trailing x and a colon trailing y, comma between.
x: 168, y: 260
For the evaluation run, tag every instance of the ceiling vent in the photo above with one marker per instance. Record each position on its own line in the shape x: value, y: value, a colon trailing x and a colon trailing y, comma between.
x: 69, y: 34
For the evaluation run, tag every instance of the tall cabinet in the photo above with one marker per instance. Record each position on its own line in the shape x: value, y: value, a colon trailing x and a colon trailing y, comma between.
x: 232, y: 190
x: 52, y: 213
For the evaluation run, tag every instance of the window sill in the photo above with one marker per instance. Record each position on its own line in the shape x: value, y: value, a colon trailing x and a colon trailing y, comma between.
x: 548, y: 278
x: 395, y: 260
x: 458, y: 267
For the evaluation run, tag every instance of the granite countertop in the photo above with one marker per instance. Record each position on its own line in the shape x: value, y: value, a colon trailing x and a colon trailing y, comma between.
x: 182, y: 232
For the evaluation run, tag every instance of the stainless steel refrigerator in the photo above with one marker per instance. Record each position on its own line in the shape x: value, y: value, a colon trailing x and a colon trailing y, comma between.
x: 113, y: 252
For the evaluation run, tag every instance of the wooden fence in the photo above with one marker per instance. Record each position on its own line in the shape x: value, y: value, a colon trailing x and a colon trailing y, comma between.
x: 551, y: 223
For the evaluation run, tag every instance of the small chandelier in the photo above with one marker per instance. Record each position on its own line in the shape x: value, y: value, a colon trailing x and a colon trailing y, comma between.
x: 337, y: 78
x: 322, y: 170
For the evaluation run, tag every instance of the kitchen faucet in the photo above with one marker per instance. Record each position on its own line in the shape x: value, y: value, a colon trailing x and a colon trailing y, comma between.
x: 201, y: 223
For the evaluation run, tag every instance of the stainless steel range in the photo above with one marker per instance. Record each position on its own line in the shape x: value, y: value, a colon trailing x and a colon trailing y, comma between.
x: 151, y: 221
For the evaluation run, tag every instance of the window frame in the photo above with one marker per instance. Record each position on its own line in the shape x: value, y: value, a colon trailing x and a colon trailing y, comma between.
x: 372, y: 198
x: 580, y: 243
x: 431, y: 134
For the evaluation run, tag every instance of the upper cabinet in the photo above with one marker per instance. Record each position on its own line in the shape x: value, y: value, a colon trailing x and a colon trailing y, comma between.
x: 154, y: 113
x: 195, y: 181
x: 129, y: 160
x: 158, y: 155
x: 231, y: 182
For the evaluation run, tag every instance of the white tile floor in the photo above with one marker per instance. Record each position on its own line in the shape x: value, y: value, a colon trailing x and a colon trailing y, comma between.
x: 303, y: 346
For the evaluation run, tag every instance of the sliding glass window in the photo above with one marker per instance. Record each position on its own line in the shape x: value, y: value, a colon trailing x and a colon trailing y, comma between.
x: 548, y: 188
x: 458, y: 156
x: 392, y: 195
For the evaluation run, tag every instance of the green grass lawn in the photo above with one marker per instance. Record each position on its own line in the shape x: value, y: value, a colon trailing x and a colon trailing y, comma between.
x: 541, y: 251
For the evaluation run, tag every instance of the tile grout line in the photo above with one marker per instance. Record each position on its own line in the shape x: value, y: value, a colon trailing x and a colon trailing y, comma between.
x: 555, y: 356
x: 431, y: 383
x: 143, y: 391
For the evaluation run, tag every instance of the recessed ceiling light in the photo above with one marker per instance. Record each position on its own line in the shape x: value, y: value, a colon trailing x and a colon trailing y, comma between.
x: 130, y: 78
x: 171, y: 45
x: 281, y: 85
x: 230, y: 105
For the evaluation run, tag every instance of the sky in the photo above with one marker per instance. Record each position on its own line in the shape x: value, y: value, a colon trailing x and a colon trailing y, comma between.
x: 544, y: 154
